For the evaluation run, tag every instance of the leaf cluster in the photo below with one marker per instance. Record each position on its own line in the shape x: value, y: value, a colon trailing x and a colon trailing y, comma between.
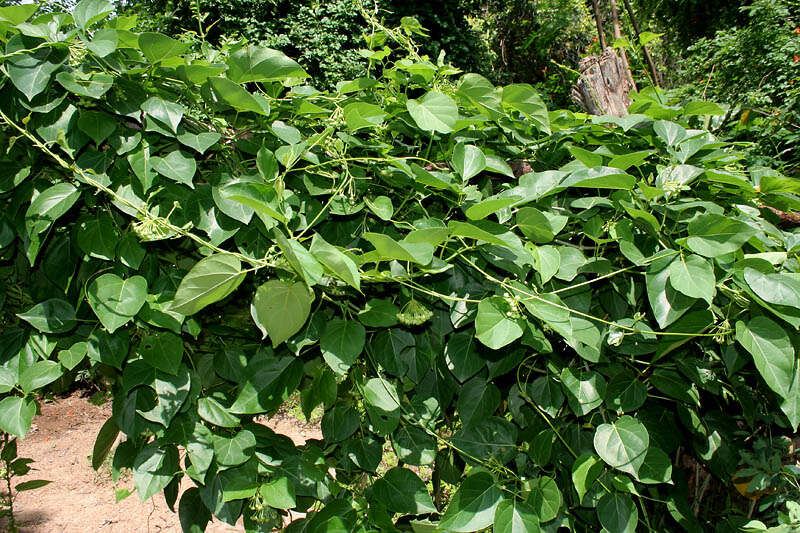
x: 551, y: 313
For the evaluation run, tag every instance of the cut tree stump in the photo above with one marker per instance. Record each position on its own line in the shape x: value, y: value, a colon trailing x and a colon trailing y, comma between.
x: 604, y: 86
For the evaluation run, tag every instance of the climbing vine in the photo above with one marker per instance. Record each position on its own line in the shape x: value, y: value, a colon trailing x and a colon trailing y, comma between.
x: 543, y: 319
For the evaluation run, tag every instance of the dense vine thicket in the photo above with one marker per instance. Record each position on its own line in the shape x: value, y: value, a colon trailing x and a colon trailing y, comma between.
x: 512, y: 318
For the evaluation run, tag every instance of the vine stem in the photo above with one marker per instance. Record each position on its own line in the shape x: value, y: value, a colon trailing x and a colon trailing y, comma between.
x: 143, y: 213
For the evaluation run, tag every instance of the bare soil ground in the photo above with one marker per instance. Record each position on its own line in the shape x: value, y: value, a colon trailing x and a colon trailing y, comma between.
x: 80, y: 500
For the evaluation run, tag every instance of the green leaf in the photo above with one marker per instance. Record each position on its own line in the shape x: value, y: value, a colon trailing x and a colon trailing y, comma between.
x: 51, y: 316
x: 279, y: 493
x: 389, y: 249
x: 237, y: 97
x: 772, y: 352
x: 378, y: 313
x: 473, y: 506
x: 461, y: 355
x: 168, y: 113
x: 30, y: 72
x: 527, y: 101
x: 193, y: 514
x: 199, y: 141
x: 617, y: 513
x: 599, y: 178
x: 17, y: 14
x: 468, y: 160
x: 72, y: 357
x: 38, y: 375
x: 657, y: 467
x: 535, y: 225
x: 359, y: 115
x: 669, y: 132
x: 268, y: 383
x: 106, y: 438
x: 778, y: 289
x: 585, y: 471
x: 235, y: 450
x: 87, y: 12
x: 16, y: 415
x: 622, y: 444
x: 486, y: 207
x: 381, y: 206
x: 712, y: 235
x: 153, y: 469
x: 341, y: 344
x: 93, y: 87
x: 215, y: 413
x: 31, y: 485
x: 280, y: 309
x: 401, y: 491
x: 414, y: 446
x: 210, y: 280
x: 51, y: 204
x: 97, y: 125
x: 97, y: 236
x: 495, y: 324
x: 584, y: 390
x: 667, y: 303
x: 104, y: 42
x: 513, y: 516
x: 258, y: 63
x: 694, y: 277
x: 381, y: 394
x: 339, y: 423
x: 116, y: 301
x: 335, y: 261
x: 177, y: 165
x: 434, y: 112
x: 157, y: 47
x: 545, y: 498
x: 266, y: 164
x: 162, y: 350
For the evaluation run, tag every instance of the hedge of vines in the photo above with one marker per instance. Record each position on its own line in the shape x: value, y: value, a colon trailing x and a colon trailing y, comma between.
x: 512, y: 318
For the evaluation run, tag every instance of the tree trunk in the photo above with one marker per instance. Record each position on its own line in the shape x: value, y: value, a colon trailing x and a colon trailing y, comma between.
x: 599, y: 21
x: 604, y: 86
x: 618, y: 35
x: 650, y: 63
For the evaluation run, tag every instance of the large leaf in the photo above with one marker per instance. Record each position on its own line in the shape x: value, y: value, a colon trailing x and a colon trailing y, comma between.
x: 772, y: 352
x: 513, y: 516
x: 209, y: 281
x: 258, y: 63
x: 335, y: 261
x: 617, y: 513
x: 694, y: 277
x: 30, y: 72
x: 154, y: 469
x: 622, y: 444
x: 16, y: 415
x: 401, y: 491
x: 712, y: 235
x: 778, y: 289
x: 468, y: 160
x: 434, y: 112
x: 526, y: 100
x: 49, y: 205
x: 495, y: 323
x: 280, y: 309
x: 473, y: 506
x: 116, y: 301
x: 87, y: 12
x: 237, y: 97
x: 51, y: 316
x: 341, y: 343
x: 157, y: 47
